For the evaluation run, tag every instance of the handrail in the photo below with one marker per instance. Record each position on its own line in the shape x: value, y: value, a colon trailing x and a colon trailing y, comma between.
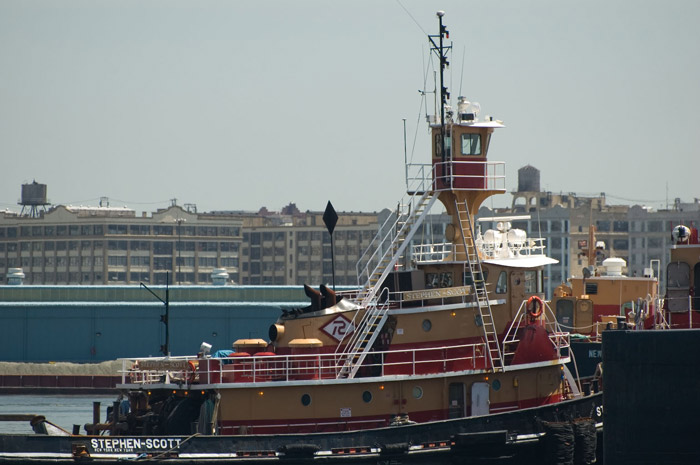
x: 255, y: 368
x: 489, y: 175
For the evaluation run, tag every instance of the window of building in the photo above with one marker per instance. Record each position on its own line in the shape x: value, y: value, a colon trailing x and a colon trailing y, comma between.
x: 140, y: 245
x: 74, y: 230
x: 116, y: 260
x: 654, y: 226
x: 162, y: 230
x: 113, y: 229
x: 207, y: 246
x: 620, y: 244
x: 206, y: 230
x: 207, y: 261
x: 228, y: 246
x: 654, y: 242
x: 162, y: 263
x: 471, y: 144
x: 139, y: 276
x: 162, y: 248
x: 602, y: 226
x: 116, y: 245
x: 140, y: 261
x: 621, y: 226
x: 139, y: 229
x: 229, y: 262
x: 117, y: 276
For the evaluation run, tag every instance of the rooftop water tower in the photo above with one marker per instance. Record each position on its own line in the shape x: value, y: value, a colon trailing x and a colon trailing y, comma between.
x: 33, y: 200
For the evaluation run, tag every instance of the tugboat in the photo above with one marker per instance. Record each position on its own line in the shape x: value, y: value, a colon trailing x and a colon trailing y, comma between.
x: 681, y: 302
x: 605, y: 298
x: 446, y: 351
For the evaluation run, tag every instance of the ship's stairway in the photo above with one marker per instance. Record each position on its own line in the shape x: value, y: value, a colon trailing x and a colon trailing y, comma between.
x: 379, y: 259
x: 353, y: 353
x: 473, y: 263
x: 390, y: 244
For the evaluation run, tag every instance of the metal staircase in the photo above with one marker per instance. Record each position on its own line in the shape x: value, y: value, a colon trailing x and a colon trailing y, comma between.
x: 374, y: 266
x: 391, y: 243
x: 473, y: 263
x: 352, y: 355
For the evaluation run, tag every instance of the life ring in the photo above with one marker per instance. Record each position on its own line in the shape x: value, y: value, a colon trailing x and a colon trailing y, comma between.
x: 190, y: 373
x: 534, y: 307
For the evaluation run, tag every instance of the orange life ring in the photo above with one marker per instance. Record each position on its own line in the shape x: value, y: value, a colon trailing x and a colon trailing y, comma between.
x: 534, y: 307
x: 189, y: 375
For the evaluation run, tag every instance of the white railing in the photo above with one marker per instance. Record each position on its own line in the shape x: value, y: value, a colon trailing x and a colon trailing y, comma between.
x: 461, y: 175
x: 264, y: 368
x: 430, y: 253
x: 559, y: 338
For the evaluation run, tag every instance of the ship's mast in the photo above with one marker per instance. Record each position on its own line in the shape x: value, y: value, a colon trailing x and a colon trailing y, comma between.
x: 441, y: 51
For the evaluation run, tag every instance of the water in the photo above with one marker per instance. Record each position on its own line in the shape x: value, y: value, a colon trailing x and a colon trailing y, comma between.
x: 62, y: 410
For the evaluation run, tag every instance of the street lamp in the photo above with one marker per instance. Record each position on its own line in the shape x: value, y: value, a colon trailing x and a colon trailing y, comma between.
x: 179, y: 247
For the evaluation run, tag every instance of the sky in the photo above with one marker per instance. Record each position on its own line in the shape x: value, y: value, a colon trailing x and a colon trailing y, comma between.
x: 235, y: 105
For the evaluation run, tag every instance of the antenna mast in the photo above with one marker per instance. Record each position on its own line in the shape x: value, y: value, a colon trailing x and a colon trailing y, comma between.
x: 441, y: 51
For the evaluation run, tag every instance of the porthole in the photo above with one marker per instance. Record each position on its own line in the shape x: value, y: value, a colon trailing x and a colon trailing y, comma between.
x: 427, y: 325
x: 367, y: 397
x: 305, y: 400
x: 496, y: 385
x: 417, y: 392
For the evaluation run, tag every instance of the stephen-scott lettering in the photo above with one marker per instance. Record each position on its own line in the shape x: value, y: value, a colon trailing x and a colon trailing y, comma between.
x: 133, y: 444
x: 436, y: 293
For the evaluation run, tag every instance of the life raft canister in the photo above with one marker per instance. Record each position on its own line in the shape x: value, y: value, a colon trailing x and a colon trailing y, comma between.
x: 534, y: 307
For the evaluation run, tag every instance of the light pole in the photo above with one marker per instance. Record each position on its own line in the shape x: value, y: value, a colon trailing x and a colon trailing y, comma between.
x: 165, y: 348
x: 179, y: 248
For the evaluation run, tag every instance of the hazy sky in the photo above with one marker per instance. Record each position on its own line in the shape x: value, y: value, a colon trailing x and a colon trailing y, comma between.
x: 234, y: 105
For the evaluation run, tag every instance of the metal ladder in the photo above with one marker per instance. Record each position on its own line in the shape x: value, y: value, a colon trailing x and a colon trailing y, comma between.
x: 479, y: 286
x: 391, y: 245
x: 362, y: 339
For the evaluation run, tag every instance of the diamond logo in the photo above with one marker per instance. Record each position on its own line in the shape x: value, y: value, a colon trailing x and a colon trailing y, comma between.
x: 338, y: 327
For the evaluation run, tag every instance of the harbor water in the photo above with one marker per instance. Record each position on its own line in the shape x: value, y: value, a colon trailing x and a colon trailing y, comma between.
x: 61, y: 410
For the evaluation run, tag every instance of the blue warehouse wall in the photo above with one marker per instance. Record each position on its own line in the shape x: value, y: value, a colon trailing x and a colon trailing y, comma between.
x: 116, y: 325
x: 93, y: 333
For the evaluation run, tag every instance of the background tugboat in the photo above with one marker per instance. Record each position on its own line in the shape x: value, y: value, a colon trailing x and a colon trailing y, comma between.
x: 446, y: 350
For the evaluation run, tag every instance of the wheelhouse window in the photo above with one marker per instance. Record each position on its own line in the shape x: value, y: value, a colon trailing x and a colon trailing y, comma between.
x: 502, y: 283
x: 533, y: 282
x: 471, y: 144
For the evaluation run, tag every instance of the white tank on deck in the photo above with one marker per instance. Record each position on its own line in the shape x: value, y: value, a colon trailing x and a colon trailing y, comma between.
x: 492, y: 237
x: 613, y: 266
x: 517, y: 237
